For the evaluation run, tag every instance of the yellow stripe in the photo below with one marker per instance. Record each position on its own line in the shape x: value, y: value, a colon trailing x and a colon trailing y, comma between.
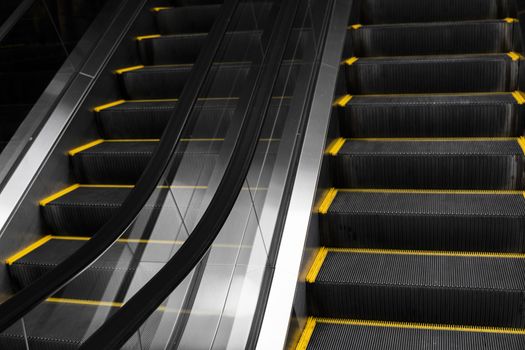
x: 307, y: 334
x: 327, y: 201
x: 433, y: 327
x: 521, y: 142
x: 335, y: 146
x: 161, y: 8
x: 128, y: 69
x: 343, y: 100
x: 143, y: 37
x: 427, y: 253
x: 356, y: 26
x: 85, y: 147
x: 510, y: 20
x: 439, y: 94
x: 518, y: 96
x: 109, y: 105
x: 351, y: 60
x: 429, y: 191
x: 514, y: 55
x: 59, y: 194
x: 316, y: 265
x: 436, y: 139
x: 84, y: 302
x: 27, y: 250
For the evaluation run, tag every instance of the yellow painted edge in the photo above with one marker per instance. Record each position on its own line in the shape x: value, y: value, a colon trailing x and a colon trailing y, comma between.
x: 427, y: 253
x: 161, y: 8
x: 356, y: 26
x: 434, y: 139
x: 59, y: 194
x: 84, y: 302
x: 327, y: 201
x: 144, y: 37
x: 518, y: 96
x: 514, y: 55
x: 85, y: 147
x: 108, y: 105
x: 429, y: 191
x: 128, y: 69
x: 434, y: 327
x: 351, y: 60
x: 27, y: 250
x: 316, y: 265
x: 521, y: 142
x: 343, y: 100
x: 307, y: 334
x: 510, y: 20
x: 335, y: 146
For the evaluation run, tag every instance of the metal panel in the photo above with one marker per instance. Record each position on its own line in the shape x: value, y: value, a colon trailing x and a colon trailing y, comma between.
x: 291, y: 258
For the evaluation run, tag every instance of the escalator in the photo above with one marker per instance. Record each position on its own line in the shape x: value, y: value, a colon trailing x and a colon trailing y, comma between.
x: 104, y: 169
x: 422, y: 232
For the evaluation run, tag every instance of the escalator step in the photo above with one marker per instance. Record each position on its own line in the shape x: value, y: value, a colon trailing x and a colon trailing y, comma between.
x: 80, y: 210
x: 386, y: 11
x: 185, y: 48
x: 430, y: 74
x: 195, y: 18
x: 331, y: 334
x: 489, y: 221
x: 123, y: 161
x: 477, y: 289
x: 167, y: 81
x: 147, y: 119
x: 437, y: 115
x: 487, y: 36
x: 61, y: 324
x: 468, y: 163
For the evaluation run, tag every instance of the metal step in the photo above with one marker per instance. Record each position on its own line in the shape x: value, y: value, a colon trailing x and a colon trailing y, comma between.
x: 438, y: 163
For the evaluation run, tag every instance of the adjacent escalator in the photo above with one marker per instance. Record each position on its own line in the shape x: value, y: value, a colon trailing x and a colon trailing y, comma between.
x: 105, y: 170
x: 422, y: 233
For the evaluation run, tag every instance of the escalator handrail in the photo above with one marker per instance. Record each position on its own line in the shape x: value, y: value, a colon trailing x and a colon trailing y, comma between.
x: 14, y: 17
x: 253, y: 105
x: 29, y: 297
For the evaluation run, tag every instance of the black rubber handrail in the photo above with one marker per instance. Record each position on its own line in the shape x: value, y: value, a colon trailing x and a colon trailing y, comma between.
x: 29, y: 297
x: 253, y: 105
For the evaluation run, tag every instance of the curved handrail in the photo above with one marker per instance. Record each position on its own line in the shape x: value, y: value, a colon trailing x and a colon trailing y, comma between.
x: 253, y: 105
x: 17, y: 306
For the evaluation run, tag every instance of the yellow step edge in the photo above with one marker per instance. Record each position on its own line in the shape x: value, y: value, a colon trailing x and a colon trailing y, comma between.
x: 85, y: 147
x: 435, y: 139
x: 128, y: 69
x: 427, y: 253
x: 514, y: 56
x: 351, y: 61
x: 356, y: 26
x: 327, y: 200
x: 108, y: 105
x: 27, y: 250
x: 342, y: 101
x: 84, y: 302
x: 334, y: 147
x: 144, y: 37
x: 521, y: 142
x: 161, y: 8
x: 422, y: 326
x: 306, y: 334
x: 316, y: 265
x: 430, y: 191
x: 519, y: 97
x: 58, y: 194
x: 510, y: 20
x: 410, y: 94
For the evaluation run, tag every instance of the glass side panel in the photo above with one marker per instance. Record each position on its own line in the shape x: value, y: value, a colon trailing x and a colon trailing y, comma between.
x: 221, y: 310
